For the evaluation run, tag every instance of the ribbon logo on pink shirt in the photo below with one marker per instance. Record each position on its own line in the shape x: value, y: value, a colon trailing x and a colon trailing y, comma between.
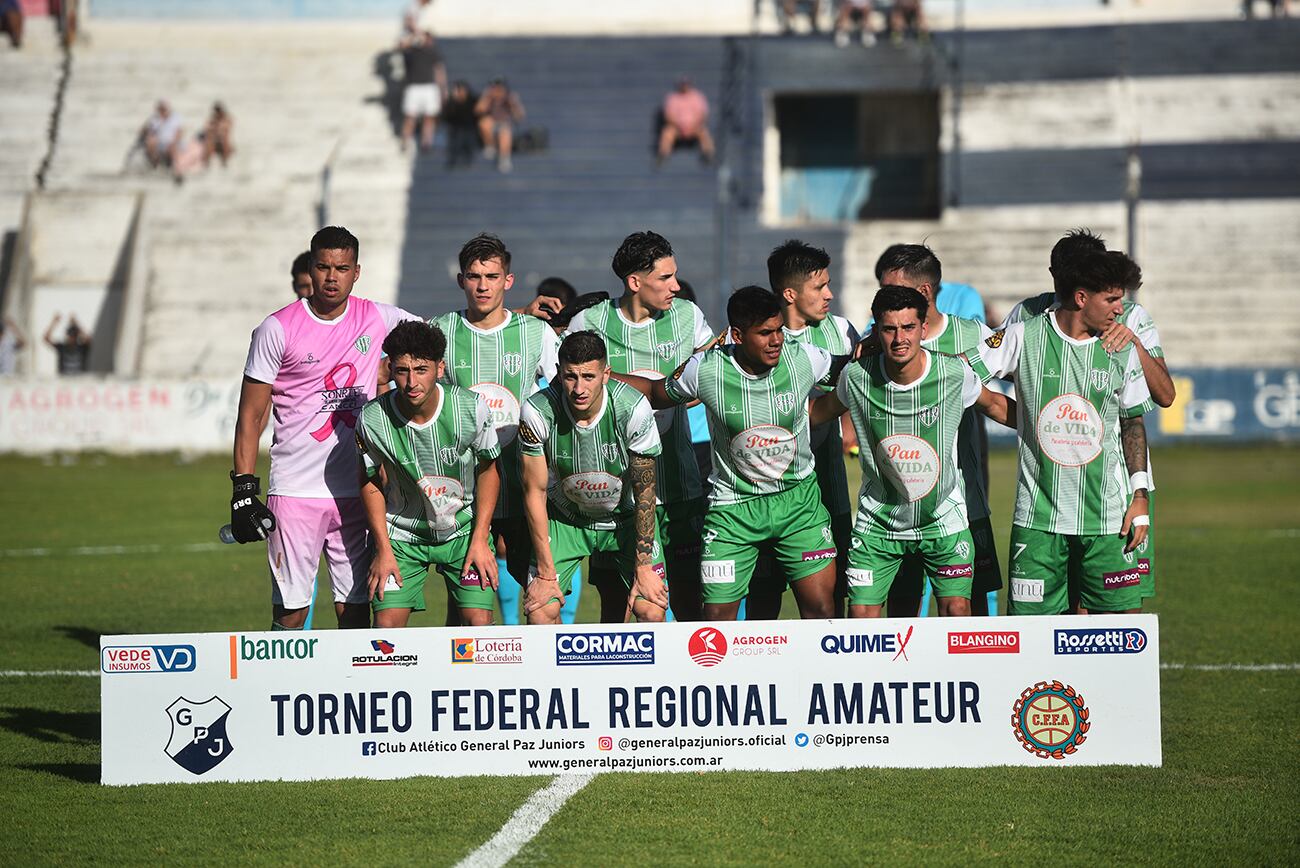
x: 347, y: 416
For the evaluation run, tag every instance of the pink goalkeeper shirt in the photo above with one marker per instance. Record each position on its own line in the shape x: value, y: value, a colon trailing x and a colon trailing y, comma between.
x: 321, y: 372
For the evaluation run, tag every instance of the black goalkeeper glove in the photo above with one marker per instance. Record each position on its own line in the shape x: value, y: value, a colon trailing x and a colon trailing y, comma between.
x: 250, y: 520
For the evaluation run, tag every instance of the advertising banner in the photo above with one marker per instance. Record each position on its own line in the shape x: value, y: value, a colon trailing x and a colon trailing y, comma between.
x: 758, y: 695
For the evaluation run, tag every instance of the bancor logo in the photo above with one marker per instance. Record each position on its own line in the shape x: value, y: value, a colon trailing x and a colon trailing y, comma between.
x: 984, y: 642
x: 244, y: 649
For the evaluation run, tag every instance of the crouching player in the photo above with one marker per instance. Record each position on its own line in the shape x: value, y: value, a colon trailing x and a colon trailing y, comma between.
x: 428, y: 453
x: 906, y: 404
x: 588, y: 449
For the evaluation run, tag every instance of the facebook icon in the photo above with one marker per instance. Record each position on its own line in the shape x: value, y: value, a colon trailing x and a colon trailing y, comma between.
x: 369, y: 748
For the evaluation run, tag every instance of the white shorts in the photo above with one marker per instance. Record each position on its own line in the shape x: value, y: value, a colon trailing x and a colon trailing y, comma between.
x: 419, y: 100
x: 304, y: 528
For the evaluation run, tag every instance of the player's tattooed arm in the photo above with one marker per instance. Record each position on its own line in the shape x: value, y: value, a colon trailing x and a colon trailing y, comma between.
x: 647, y: 584
x: 1133, y: 439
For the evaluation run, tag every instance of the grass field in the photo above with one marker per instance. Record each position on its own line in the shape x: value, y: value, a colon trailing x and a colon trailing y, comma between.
x: 1229, y: 544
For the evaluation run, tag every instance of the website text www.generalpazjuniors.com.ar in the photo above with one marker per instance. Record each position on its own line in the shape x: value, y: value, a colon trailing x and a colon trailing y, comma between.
x: 626, y: 762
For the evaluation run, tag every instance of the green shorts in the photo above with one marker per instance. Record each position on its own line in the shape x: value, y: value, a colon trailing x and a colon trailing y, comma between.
x: 913, y: 574
x: 570, y: 544
x: 1146, y: 553
x: 792, y: 524
x: 1048, y: 570
x: 414, y: 561
x: 679, y: 528
x: 873, y: 563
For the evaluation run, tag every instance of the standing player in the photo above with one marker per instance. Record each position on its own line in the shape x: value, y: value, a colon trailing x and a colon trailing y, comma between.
x: 589, y: 449
x: 429, y: 455
x: 501, y: 355
x: 1133, y: 325
x: 1077, y: 517
x: 300, y: 274
x: 907, y: 406
x: 914, y: 266
x: 650, y: 332
x: 756, y: 393
x: 800, y: 275
x: 314, y: 363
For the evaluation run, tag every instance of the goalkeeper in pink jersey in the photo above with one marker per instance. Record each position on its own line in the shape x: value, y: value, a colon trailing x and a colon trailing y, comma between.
x: 312, y: 365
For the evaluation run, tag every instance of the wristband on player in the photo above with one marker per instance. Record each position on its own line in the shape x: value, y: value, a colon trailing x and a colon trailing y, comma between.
x: 250, y: 520
x: 1139, y: 481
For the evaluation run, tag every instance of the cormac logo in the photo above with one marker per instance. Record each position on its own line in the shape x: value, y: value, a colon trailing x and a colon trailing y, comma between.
x: 1096, y: 641
x: 147, y: 658
x: 244, y: 649
x: 868, y: 643
x: 984, y: 642
x: 386, y: 655
x: 584, y: 649
x: 507, y: 649
x: 707, y: 646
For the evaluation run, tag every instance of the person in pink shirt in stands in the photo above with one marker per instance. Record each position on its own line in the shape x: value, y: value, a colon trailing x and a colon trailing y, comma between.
x: 312, y: 364
x: 686, y: 119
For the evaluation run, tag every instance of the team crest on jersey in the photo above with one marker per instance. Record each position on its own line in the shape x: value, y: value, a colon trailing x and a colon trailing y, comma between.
x: 785, y: 402
x: 928, y: 416
x: 609, y: 452
x: 363, y: 344
x: 448, y: 455
x: 962, y: 549
x: 995, y: 340
x: 1099, y: 380
x: 513, y: 363
x: 666, y: 349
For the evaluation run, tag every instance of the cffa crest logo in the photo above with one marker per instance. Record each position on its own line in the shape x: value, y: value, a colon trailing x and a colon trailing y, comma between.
x: 513, y: 363
x: 707, y: 646
x: 198, y: 741
x: 1050, y: 720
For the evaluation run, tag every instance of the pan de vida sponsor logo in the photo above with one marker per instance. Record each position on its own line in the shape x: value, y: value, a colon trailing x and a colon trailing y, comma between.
x: 1050, y: 720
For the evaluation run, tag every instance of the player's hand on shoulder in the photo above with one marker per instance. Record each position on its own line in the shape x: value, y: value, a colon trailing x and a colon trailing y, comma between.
x: 250, y: 520
x: 1117, y: 337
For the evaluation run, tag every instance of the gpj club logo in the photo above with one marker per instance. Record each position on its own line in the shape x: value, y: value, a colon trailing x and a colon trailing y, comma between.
x: 1050, y: 720
x: 198, y: 741
x: 707, y: 646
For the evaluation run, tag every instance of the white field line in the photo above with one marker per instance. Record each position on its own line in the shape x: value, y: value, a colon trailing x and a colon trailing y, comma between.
x: 1190, y: 667
x: 525, y: 823
x: 99, y: 551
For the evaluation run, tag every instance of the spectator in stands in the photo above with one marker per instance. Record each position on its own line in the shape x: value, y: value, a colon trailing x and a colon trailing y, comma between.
x: 854, y: 13
x: 685, y: 119
x: 419, y: 16
x: 300, y: 275
x: 461, y: 124
x: 216, y: 135
x: 906, y: 18
x: 1278, y: 8
x: 498, y: 110
x: 12, y: 340
x: 790, y: 8
x: 426, y: 83
x: 73, y: 350
x: 162, y: 135
x: 11, y: 21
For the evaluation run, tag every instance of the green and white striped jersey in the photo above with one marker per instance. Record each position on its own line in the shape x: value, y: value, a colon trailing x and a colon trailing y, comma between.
x: 430, y: 467
x: 503, y: 364
x: 837, y: 336
x: 907, y: 435
x: 956, y: 337
x: 654, y: 349
x: 758, y: 426
x: 1133, y: 315
x: 1070, y: 394
x: 588, y: 462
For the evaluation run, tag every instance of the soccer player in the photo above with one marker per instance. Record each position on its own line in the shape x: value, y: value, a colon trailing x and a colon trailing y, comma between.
x: 914, y: 266
x: 589, y: 449
x: 501, y: 355
x: 800, y: 275
x: 755, y: 391
x: 1133, y: 325
x: 650, y: 332
x: 314, y: 363
x: 1081, y: 493
x: 907, y: 405
x: 429, y: 453
x: 300, y: 274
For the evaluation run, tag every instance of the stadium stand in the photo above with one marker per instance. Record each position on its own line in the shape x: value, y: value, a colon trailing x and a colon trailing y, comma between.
x: 28, y: 83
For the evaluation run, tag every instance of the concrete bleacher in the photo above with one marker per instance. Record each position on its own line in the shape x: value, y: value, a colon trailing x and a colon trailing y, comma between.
x: 28, y: 82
